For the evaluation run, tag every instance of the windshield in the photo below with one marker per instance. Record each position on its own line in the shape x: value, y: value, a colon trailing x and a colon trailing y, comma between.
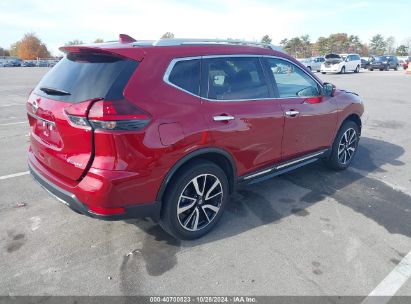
x: 380, y: 58
x: 79, y: 77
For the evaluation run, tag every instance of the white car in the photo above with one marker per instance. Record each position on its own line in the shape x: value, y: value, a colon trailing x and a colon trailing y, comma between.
x: 335, y: 63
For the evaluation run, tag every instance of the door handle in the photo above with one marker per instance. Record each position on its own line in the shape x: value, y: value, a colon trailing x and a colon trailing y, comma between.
x: 223, y: 118
x: 292, y: 113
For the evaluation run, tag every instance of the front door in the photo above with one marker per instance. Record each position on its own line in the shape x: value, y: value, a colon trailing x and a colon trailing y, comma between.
x: 310, y: 118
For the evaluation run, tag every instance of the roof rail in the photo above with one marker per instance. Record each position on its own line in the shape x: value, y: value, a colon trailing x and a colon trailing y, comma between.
x: 190, y: 41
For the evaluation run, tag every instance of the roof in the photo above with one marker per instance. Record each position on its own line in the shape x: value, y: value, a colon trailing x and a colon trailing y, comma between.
x: 200, y: 47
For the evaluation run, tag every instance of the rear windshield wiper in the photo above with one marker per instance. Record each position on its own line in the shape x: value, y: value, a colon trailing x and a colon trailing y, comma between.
x: 53, y: 91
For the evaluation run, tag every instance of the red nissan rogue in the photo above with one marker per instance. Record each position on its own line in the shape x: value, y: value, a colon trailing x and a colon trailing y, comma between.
x: 167, y: 129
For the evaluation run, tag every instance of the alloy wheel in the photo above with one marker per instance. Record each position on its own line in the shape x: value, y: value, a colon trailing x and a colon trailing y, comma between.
x: 199, y: 202
x: 347, y: 146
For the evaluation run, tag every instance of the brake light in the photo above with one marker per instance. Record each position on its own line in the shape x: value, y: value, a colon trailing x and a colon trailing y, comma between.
x: 117, y: 115
x: 77, y: 113
x: 107, y: 115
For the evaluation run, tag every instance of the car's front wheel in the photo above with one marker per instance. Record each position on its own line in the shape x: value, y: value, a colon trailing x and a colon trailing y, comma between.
x: 344, y: 147
x: 343, y: 70
x: 357, y: 69
x: 195, y: 200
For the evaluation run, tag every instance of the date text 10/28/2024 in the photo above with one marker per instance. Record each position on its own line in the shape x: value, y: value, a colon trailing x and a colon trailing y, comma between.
x: 203, y: 299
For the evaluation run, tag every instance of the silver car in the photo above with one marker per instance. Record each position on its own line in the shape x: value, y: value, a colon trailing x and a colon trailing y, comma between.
x: 314, y: 63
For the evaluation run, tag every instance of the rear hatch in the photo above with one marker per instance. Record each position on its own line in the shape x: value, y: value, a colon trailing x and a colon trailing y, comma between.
x: 332, y: 59
x: 63, y: 142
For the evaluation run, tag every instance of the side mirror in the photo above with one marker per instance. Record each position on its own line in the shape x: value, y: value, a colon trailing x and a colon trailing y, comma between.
x: 329, y: 89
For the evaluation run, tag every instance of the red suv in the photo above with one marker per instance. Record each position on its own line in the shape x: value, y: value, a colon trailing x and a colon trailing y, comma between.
x: 167, y: 129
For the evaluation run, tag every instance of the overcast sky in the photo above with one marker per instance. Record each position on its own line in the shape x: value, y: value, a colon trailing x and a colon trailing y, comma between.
x: 56, y: 22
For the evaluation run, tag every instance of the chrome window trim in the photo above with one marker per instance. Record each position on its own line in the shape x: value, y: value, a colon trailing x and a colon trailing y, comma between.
x: 175, y: 60
x: 170, y: 68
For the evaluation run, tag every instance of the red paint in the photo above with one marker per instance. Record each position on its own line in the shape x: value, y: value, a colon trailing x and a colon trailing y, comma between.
x: 128, y: 167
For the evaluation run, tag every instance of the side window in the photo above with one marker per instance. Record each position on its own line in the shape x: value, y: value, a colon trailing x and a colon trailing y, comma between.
x: 233, y: 78
x: 291, y: 80
x: 186, y: 75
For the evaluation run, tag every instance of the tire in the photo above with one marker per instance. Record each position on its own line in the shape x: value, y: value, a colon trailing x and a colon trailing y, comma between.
x: 341, y: 157
x: 343, y: 70
x: 381, y: 69
x: 199, y: 214
x: 323, y: 73
x: 371, y: 70
x: 309, y: 68
x: 396, y: 68
x: 387, y: 68
x: 318, y: 71
x: 357, y: 69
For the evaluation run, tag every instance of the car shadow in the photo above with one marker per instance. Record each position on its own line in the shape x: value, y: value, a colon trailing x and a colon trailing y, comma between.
x: 271, y: 201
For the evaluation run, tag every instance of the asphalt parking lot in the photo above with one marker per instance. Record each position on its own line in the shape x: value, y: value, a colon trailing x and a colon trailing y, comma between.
x: 310, y: 232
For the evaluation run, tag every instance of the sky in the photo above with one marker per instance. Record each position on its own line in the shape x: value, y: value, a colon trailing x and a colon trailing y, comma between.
x: 57, y: 21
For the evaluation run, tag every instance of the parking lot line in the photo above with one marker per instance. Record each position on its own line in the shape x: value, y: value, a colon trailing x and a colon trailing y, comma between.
x: 13, y: 123
x: 14, y: 175
x: 12, y: 105
x: 392, y: 283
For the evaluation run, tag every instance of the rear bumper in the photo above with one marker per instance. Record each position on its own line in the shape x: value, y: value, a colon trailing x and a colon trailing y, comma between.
x: 137, y: 211
x: 331, y: 69
x: 376, y: 67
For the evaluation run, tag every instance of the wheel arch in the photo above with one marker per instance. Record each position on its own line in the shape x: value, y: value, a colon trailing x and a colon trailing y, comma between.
x: 216, y: 155
x: 352, y: 117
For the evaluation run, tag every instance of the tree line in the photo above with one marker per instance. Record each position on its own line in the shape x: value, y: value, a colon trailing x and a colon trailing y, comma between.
x: 31, y: 47
x: 302, y: 47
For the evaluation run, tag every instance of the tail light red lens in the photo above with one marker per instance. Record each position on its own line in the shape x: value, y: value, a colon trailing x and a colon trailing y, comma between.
x: 77, y: 113
x: 107, y: 115
x: 117, y: 115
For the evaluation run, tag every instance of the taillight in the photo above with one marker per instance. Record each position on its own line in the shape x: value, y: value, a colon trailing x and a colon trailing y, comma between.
x: 77, y: 113
x: 107, y: 115
x: 117, y: 115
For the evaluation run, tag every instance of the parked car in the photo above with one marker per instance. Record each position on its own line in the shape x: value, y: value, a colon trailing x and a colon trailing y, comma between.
x: 28, y: 63
x: 406, y: 62
x: 364, y: 63
x: 335, y: 63
x: 15, y: 62
x: 384, y: 63
x: 8, y: 63
x: 314, y: 63
x: 167, y: 129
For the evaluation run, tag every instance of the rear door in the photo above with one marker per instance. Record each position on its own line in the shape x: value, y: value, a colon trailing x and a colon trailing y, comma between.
x: 59, y: 142
x: 310, y: 119
x: 239, y: 108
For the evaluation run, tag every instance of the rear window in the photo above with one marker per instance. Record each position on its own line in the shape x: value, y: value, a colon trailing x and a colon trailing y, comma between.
x: 186, y: 75
x: 87, y: 76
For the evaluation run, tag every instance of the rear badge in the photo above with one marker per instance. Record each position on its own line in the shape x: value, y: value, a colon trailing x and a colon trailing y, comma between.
x: 78, y: 165
x: 34, y: 106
